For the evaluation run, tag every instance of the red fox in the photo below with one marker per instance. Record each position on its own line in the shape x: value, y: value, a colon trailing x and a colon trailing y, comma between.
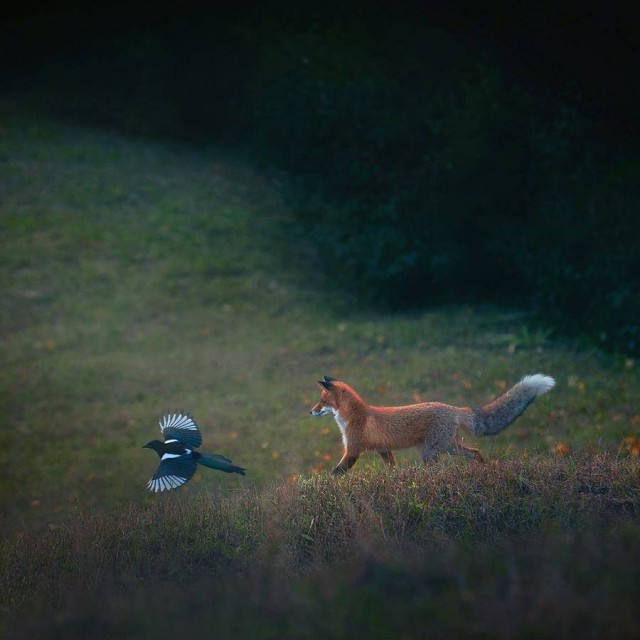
x: 430, y: 426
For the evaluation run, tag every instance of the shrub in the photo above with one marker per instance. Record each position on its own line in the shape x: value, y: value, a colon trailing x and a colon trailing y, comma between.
x: 425, y: 173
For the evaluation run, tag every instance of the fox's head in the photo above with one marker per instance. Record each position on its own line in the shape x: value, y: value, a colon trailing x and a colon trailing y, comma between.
x: 328, y: 404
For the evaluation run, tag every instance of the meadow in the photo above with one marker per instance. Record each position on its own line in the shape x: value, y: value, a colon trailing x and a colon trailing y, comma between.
x: 138, y: 277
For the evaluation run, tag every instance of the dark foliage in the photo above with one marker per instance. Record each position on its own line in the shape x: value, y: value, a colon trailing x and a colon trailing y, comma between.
x: 425, y: 164
x: 425, y: 172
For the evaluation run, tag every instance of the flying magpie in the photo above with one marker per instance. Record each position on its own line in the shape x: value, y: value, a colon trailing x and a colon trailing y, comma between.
x: 178, y: 460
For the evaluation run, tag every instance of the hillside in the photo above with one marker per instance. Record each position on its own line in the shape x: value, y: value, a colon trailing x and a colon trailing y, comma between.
x: 137, y: 277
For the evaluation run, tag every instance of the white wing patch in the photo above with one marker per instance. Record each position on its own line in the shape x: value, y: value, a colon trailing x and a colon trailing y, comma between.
x: 180, y: 427
x: 165, y: 483
x: 166, y: 456
x: 177, y: 421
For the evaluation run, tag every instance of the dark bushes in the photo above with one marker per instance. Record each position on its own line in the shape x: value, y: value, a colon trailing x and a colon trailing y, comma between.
x: 425, y: 165
x: 425, y: 172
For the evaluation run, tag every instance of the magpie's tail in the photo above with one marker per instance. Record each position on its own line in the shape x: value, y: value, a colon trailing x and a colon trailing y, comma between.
x: 220, y: 463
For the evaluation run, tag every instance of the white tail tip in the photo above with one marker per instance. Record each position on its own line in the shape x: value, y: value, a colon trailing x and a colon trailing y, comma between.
x: 539, y: 383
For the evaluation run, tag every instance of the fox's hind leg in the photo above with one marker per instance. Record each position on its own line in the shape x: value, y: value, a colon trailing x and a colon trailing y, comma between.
x: 388, y: 457
x: 435, y: 442
x: 428, y: 452
x: 458, y: 448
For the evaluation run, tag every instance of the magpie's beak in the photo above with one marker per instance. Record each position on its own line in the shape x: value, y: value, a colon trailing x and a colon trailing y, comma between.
x: 146, y: 446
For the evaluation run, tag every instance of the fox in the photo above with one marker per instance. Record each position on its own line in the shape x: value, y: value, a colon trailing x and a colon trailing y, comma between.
x: 432, y: 427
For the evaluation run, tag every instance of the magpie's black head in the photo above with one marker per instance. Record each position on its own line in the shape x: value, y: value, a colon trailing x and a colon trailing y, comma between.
x: 156, y: 445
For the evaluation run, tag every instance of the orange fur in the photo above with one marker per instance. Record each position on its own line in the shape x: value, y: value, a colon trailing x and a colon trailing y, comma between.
x: 430, y: 426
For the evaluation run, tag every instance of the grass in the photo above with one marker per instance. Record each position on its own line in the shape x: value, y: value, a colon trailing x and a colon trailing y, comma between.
x: 510, y: 549
x: 137, y: 277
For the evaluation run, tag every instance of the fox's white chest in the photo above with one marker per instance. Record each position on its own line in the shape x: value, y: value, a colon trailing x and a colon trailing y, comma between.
x: 343, y: 426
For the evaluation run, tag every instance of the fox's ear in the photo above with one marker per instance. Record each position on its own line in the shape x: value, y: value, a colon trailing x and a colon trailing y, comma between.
x: 330, y: 379
x: 325, y: 384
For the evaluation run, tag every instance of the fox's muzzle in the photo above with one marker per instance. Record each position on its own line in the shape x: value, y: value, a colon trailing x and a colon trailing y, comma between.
x: 320, y: 411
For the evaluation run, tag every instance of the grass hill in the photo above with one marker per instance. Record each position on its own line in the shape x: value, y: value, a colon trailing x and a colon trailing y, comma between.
x: 138, y: 277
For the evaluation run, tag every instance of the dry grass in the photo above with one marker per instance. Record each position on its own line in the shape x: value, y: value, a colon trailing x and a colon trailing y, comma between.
x: 505, y: 549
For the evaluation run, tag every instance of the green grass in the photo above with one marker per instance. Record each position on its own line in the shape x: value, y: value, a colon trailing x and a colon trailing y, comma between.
x: 136, y: 277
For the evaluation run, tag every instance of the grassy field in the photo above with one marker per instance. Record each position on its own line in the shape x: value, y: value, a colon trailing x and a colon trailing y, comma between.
x: 137, y: 277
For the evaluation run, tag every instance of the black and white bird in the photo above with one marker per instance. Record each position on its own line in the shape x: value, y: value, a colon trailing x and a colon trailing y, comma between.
x: 178, y: 458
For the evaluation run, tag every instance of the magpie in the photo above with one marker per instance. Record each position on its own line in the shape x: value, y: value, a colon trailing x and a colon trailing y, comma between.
x: 178, y: 460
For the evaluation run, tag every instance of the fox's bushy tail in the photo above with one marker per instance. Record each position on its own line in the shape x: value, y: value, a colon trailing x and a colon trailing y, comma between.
x: 501, y: 412
x: 220, y: 463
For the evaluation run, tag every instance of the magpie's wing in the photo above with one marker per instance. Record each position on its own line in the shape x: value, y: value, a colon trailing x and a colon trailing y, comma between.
x: 172, y: 473
x: 181, y: 427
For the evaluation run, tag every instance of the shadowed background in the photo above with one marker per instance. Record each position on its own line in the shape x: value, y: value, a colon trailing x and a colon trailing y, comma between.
x: 447, y: 152
x: 208, y: 208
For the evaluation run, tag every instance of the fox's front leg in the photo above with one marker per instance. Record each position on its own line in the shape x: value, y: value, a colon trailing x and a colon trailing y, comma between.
x: 347, y: 461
